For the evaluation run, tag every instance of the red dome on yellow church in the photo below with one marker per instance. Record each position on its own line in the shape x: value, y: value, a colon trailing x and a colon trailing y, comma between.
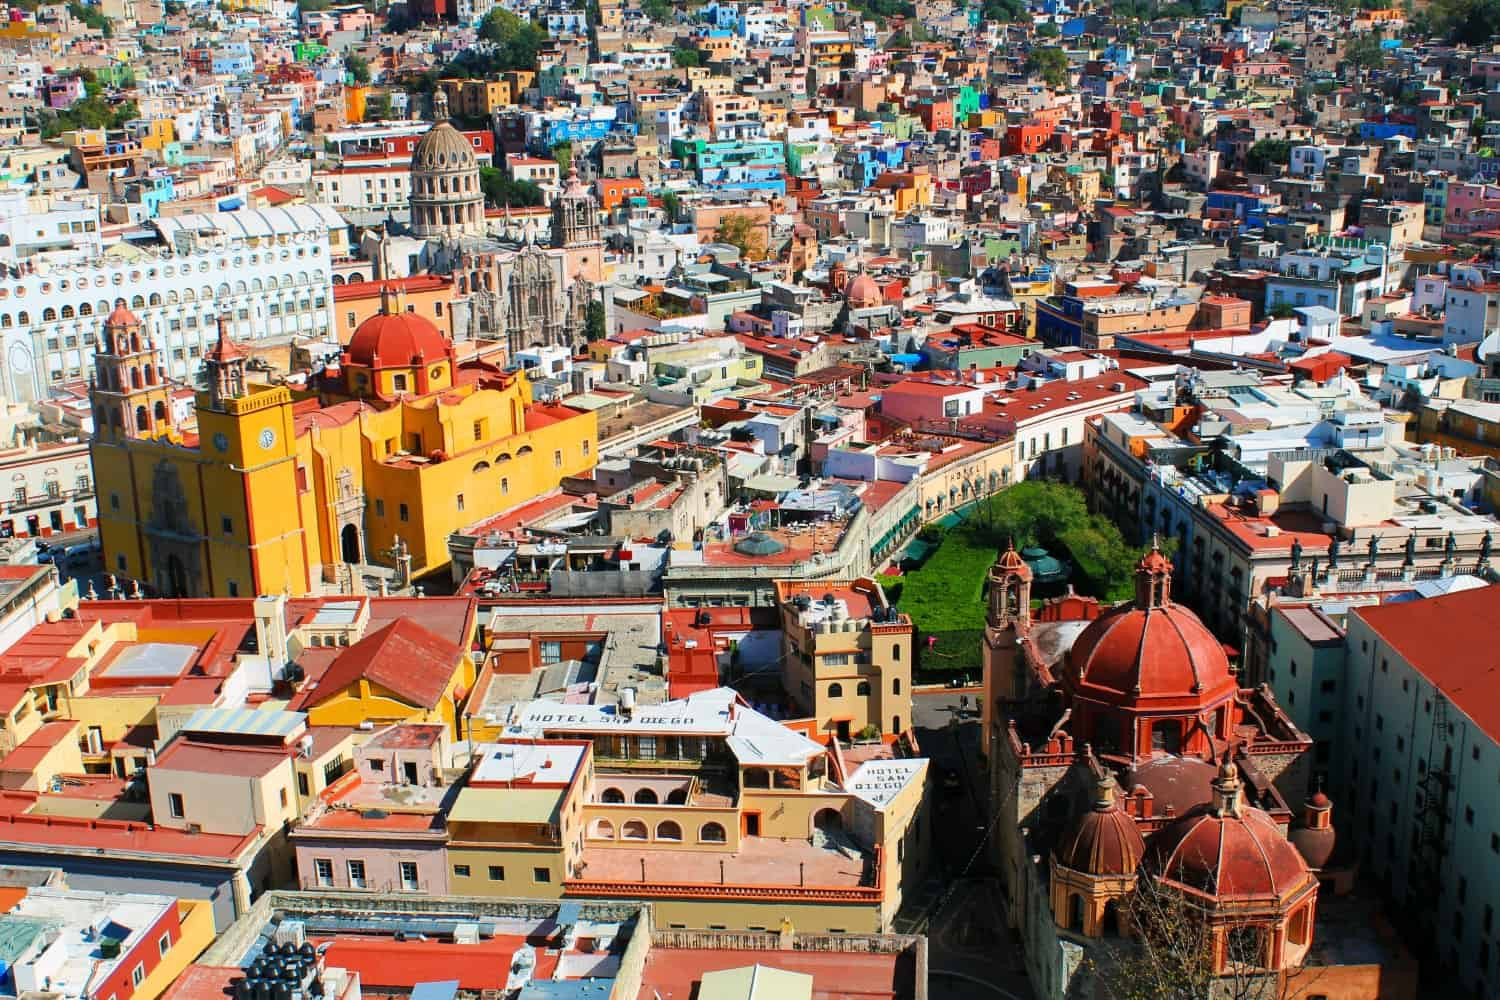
x: 396, y: 338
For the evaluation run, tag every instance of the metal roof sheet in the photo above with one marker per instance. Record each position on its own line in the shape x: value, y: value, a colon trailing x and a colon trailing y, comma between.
x: 246, y: 721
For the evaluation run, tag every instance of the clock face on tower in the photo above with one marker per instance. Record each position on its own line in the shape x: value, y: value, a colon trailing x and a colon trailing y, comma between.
x: 267, y: 438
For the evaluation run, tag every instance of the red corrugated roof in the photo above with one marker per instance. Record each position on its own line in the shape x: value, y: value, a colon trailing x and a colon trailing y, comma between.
x: 1450, y: 641
x: 384, y: 965
x: 403, y: 657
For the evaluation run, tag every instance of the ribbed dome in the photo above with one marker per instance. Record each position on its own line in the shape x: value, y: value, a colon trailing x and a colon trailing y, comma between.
x: 1132, y: 654
x: 1180, y: 784
x: 1227, y: 850
x: 1010, y: 561
x: 121, y: 316
x: 862, y: 292
x: 443, y: 148
x: 1103, y: 841
x: 396, y: 340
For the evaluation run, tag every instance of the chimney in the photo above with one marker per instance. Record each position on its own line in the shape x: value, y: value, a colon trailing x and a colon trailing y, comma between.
x: 270, y: 630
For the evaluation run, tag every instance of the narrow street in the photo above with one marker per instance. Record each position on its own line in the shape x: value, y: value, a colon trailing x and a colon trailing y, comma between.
x: 971, y: 953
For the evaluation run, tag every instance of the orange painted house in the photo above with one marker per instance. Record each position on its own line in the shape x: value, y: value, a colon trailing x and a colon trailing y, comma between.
x: 614, y: 191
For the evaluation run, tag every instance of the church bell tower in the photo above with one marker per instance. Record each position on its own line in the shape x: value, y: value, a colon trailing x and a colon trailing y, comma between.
x: 224, y: 364
x: 576, y: 231
x: 1007, y: 620
x: 129, y: 390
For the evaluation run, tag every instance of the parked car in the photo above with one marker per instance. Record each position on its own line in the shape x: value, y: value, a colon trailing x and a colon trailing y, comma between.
x: 81, y: 554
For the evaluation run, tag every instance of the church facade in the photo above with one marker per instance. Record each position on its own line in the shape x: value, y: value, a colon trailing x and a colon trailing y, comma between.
x: 276, y: 490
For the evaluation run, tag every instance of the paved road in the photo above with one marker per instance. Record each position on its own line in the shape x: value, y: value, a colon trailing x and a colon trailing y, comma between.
x: 971, y: 952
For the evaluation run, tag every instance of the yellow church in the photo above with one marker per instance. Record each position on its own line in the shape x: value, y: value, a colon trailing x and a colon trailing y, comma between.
x: 385, y: 456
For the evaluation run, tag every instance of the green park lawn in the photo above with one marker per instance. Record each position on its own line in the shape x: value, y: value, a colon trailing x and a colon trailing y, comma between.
x: 945, y: 596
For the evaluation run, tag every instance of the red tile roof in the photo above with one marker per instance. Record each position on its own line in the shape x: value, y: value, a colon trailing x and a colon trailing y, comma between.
x: 388, y: 966
x: 1450, y: 641
x: 203, y: 982
x: 211, y: 758
x: 403, y: 657
x: 107, y: 837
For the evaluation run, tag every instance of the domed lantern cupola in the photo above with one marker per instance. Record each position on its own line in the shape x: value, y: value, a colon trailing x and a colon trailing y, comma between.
x: 1010, y: 590
x: 1153, y: 579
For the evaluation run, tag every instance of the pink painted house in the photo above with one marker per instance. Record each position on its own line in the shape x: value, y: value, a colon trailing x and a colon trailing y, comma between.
x: 381, y: 826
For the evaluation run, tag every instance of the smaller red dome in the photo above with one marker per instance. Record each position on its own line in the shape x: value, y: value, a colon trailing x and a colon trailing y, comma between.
x: 122, y: 317
x: 862, y: 292
x: 1010, y: 561
x: 1314, y: 837
x: 1180, y: 784
x: 389, y: 340
x: 1228, y: 850
x: 1104, y: 841
x: 1315, y: 845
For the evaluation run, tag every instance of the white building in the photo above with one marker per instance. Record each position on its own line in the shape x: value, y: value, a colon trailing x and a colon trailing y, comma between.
x: 364, y: 189
x: 48, y: 488
x: 1201, y: 168
x: 268, y: 271
x: 48, y: 223
x: 1471, y: 307
x: 1308, y: 161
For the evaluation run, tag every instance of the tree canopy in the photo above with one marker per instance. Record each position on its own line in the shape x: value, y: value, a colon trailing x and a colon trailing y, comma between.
x: 93, y: 111
x: 739, y: 231
x: 1471, y: 21
x: 93, y: 17
x: 671, y: 203
x: 378, y: 107
x: 593, y: 321
x: 1267, y: 153
x: 513, y: 44
x: 1005, y: 11
x: 1050, y: 63
x: 685, y: 58
x: 358, y: 68
x: 500, y: 190
x: 879, y: 10
x: 1364, y: 52
x: 1055, y: 515
x: 945, y: 596
x: 660, y: 11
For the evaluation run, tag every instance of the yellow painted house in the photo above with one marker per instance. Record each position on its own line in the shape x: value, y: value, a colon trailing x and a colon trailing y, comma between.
x: 398, y: 673
x: 377, y: 463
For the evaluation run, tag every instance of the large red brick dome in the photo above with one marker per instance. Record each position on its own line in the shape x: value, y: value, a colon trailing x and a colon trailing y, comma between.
x: 398, y: 339
x: 1132, y: 654
x: 1150, y: 653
